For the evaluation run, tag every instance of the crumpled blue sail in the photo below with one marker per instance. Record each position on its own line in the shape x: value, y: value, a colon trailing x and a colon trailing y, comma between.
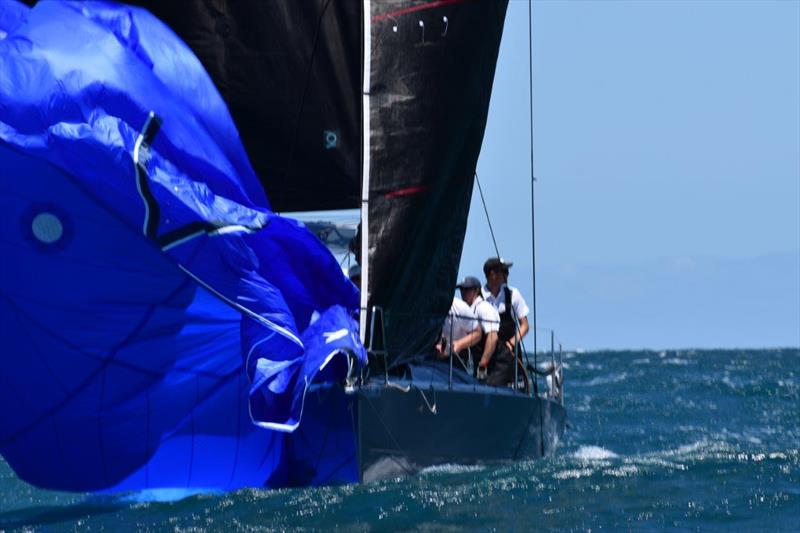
x: 160, y: 326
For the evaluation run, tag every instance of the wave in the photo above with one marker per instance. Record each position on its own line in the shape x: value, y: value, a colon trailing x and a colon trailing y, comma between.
x: 607, y: 380
x: 677, y: 362
x: 451, y: 469
x: 594, y: 453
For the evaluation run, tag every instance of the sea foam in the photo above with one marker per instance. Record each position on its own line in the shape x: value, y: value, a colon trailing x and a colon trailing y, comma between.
x: 594, y: 453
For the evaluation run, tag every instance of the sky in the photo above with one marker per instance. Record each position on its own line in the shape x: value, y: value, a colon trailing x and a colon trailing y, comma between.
x: 667, y: 158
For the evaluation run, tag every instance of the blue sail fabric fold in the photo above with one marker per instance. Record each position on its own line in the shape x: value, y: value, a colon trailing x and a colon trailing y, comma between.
x: 160, y: 325
x: 328, y: 340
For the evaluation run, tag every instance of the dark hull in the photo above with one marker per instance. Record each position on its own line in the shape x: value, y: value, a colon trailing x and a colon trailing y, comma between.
x: 401, y: 431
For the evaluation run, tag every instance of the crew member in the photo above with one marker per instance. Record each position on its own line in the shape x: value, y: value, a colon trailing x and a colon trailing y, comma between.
x: 497, y: 292
x: 460, y: 333
x: 486, y: 350
x: 513, y: 317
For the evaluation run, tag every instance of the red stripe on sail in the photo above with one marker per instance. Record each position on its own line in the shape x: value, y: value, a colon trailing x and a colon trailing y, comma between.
x: 406, y: 192
x: 431, y: 5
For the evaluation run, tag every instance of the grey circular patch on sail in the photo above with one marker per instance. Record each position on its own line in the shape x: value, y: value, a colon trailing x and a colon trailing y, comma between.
x: 47, y: 227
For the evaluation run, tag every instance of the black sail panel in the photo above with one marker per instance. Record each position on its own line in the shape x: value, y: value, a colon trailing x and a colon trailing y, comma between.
x: 430, y: 77
x: 290, y: 72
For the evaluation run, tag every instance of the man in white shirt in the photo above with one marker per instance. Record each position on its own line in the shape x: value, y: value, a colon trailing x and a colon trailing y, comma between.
x: 496, y: 271
x: 460, y: 333
x: 460, y: 330
x: 487, y: 318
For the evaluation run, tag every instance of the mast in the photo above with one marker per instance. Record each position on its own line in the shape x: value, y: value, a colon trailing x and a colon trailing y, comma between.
x: 365, y: 160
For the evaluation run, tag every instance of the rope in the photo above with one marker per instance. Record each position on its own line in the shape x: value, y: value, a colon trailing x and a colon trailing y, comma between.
x: 398, y: 387
x: 391, y: 436
x: 431, y: 408
x: 533, y: 205
x: 513, y: 311
x: 486, y: 210
x: 533, y: 178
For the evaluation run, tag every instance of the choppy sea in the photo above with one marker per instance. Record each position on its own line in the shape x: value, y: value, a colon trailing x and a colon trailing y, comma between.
x: 666, y: 441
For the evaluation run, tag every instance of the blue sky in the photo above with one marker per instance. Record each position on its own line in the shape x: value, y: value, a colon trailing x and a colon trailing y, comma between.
x: 667, y: 153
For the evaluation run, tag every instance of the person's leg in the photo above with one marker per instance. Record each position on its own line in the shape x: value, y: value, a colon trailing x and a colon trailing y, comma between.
x: 501, y: 367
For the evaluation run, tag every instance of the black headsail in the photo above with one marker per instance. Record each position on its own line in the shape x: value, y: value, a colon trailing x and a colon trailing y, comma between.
x: 427, y: 85
x: 290, y: 72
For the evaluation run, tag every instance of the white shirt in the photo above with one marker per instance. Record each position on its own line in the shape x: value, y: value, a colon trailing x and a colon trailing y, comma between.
x: 499, y: 302
x: 487, y: 316
x: 462, y: 318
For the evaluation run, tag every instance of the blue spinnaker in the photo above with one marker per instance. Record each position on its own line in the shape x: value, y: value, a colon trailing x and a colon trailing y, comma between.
x: 160, y: 326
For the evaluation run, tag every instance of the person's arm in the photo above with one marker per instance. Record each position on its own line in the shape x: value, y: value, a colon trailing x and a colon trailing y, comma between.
x: 523, y: 330
x: 467, y: 341
x: 488, y: 348
x: 439, y: 347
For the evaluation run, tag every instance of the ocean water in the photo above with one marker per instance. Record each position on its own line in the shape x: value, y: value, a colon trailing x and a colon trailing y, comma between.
x: 665, y: 441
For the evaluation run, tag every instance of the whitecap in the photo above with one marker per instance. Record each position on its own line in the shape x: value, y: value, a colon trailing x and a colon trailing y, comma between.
x: 606, y: 380
x: 690, y: 448
x: 623, y: 471
x: 573, y: 474
x: 451, y: 469
x: 676, y: 361
x: 594, y: 453
x: 166, y: 494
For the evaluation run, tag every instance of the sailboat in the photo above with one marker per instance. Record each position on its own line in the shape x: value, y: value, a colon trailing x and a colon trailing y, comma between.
x: 374, y: 106
x: 423, y: 84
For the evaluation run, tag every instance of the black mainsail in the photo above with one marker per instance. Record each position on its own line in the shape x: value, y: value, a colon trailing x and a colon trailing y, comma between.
x: 427, y: 84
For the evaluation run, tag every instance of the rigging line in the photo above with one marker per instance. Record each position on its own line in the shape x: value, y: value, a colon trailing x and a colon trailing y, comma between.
x: 486, y: 210
x: 305, y: 92
x: 533, y: 178
x: 533, y: 212
x: 391, y: 436
x: 431, y: 408
x: 513, y: 311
